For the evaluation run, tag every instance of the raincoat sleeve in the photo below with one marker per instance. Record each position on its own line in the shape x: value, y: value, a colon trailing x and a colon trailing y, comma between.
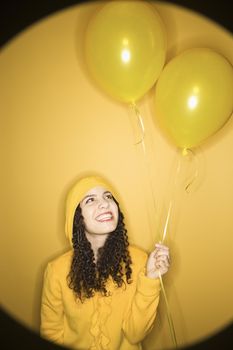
x: 140, y: 315
x: 51, y: 326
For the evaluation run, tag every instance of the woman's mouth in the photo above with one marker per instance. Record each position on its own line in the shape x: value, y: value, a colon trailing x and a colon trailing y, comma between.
x: 104, y: 217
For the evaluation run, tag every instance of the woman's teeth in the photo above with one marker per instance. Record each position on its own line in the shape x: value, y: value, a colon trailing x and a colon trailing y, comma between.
x: 104, y: 217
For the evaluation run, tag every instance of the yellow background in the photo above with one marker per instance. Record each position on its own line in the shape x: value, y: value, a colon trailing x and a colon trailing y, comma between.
x: 57, y: 124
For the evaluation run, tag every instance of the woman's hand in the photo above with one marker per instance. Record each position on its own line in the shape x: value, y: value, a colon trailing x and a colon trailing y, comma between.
x: 158, y: 261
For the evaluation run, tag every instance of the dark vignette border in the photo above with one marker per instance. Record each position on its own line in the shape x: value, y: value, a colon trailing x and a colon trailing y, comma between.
x: 16, y: 16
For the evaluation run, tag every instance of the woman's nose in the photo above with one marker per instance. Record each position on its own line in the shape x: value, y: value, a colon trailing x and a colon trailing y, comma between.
x: 103, y: 203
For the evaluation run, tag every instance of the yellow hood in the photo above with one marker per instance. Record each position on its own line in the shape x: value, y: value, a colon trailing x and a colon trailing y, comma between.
x: 76, y: 194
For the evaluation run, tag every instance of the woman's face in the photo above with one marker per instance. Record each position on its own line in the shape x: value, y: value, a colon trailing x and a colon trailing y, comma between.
x: 99, y: 210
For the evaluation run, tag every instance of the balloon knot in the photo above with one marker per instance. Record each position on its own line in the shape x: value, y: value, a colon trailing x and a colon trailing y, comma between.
x: 185, y: 151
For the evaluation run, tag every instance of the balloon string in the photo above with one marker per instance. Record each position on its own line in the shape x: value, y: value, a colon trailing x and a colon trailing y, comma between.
x: 187, y: 186
x: 168, y: 311
x: 142, y: 142
x: 141, y: 125
x: 167, y: 220
x: 146, y: 162
x: 190, y: 152
x: 169, y: 316
x: 170, y: 207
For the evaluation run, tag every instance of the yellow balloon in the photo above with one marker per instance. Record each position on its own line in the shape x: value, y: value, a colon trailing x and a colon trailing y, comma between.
x: 194, y: 96
x: 125, y: 48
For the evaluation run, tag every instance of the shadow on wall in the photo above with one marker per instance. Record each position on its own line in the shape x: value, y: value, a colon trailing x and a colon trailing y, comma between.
x: 15, y: 335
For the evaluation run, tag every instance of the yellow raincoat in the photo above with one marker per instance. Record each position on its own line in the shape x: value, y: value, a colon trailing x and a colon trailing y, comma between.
x: 116, y: 322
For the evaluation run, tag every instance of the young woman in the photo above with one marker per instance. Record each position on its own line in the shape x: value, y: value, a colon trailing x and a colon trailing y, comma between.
x: 103, y: 293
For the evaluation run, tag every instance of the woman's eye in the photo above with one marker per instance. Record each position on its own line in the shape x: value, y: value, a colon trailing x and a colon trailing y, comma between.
x: 89, y: 200
x: 109, y: 196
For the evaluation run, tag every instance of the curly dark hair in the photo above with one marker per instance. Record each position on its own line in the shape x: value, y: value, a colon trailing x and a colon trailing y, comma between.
x: 87, y: 277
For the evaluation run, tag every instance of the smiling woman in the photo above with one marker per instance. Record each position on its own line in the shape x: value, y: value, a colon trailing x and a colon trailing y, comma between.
x: 100, y: 212
x: 104, y: 292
